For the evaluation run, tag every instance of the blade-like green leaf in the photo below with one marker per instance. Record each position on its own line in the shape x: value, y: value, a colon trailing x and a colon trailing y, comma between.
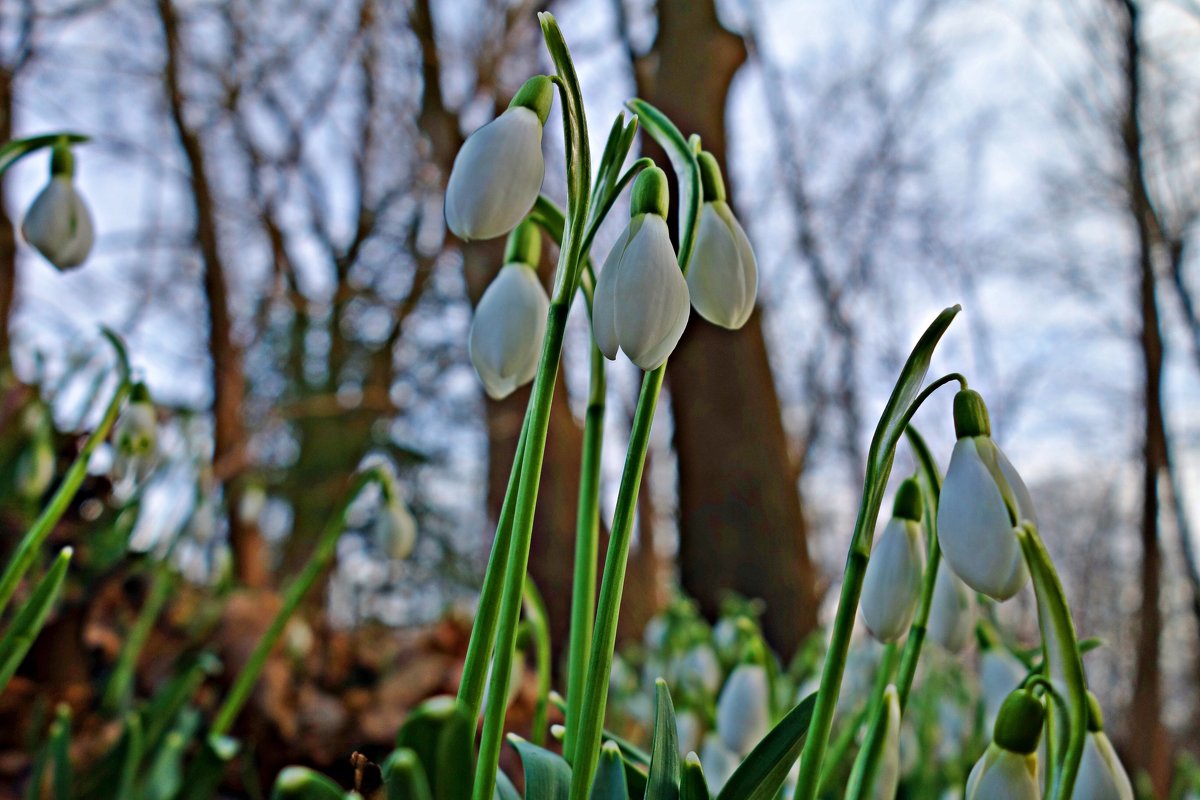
x: 404, y: 777
x: 302, y: 783
x: 764, y: 771
x: 14, y: 151
x: 164, y: 776
x: 423, y: 733
x: 664, y: 748
x: 455, y: 758
x: 130, y: 759
x: 206, y: 770
x: 547, y: 775
x: 504, y: 788
x: 60, y: 753
x: 29, y: 621
x: 692, y: 785
x: 163, y: 710
x: 609, y: 783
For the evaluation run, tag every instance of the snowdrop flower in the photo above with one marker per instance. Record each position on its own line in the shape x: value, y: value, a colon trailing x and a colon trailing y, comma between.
x: 395, y: 527
x: 136, y: 432
x: 688, y: 731
x: 510, y: 321
x: 1008, y: 768
x: 719, y: 762
x: 999, y: 674
x: 951, y: 612
x: 723, y: 274
x: 498, y: 172
x: 982, y: 499
x: 58, y: 224
x: 699, y: 672
x: 743, y: 712
x: 1101, y: 774
x: 35, y: 469
x: 892, y: 584
x: 641, y: 302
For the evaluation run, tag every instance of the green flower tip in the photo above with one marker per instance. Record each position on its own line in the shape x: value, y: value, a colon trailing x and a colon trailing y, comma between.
x: 710, y: 177
x: 139, y: 393
x: 971, y: 415
x: 536, y: 94
x: 1019, y: 723
x: 62, y: 160
x: 650, y: 195
x: 908, y: 503
x: 1095, y: 722
x: 524, y: 245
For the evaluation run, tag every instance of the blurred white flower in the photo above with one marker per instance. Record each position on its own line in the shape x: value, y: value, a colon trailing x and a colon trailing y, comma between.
x: 59, y: 224
x: 507, y: 331
x: 743, y: 710
x: 719, y: 762
x: 887, y: 775
x: 699, y: 671
x: 1101, y: 774
x: 892, y: 584
x: 136, y: 431
x: 999, y: 674
x: 1003, y: 775
x: 951, y: 612
x: 689, y: 731
x: 35, y: 469
x: 396, y: 528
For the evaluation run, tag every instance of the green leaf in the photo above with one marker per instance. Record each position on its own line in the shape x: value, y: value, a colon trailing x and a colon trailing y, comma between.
x: 32, y: 617
x: 764, y: 771
x: 14, y: 151
x: 404, y: 777
x: 687, y: 172
x: 441, y: 736
x: 504, y: 788
x: 164, y: 775
x: 206, y: 770
x: 547, y: 775
x: 609, y: 783
x: 302, y: 783
x: 60, y: 753
x: 165, y: 706
x: 130, y: 759
x: 692, y: 785
x: 664, y: 749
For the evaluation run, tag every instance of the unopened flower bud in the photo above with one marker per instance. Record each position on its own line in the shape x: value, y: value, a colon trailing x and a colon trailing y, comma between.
x: 498, y: 172
x: 723, y: 275
x: 35, y: 469
x: 641, y: 302
x: 743, y: 710
x: 58, y: 223
x: 698, y: 672
x: 892, y: 584
x: 136, y: 432
x: 1102, y: 776
x: 982, y: 500
x: 1008, y: 768
x: 951, y: 612
x: 719, y: 762
x: 396, y: 528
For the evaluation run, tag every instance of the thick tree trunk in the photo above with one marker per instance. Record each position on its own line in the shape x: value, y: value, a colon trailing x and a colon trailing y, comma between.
x: 741, y: 525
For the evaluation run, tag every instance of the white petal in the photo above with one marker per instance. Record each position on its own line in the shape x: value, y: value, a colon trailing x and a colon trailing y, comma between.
x: 1101, y: 774
x: 506, y: 335
x: 604, y: 301
x: 999, y: 674
x: 59, y: 224
x: 723, y: 275
x: 496, y: 176
x: 974, y: 530
x: 952, y: 611
x: 1020, y: 492
x: 1004, y: 775
x: 743, y: 713
x: 652, y: 296
x: 718, y: 762
x: 892, y: 584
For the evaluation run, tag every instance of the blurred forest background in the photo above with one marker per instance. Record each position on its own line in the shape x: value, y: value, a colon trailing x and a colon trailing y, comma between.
x: 267, y: 179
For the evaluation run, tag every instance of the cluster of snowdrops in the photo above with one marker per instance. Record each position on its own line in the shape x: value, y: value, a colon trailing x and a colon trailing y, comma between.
x: 737, y: 725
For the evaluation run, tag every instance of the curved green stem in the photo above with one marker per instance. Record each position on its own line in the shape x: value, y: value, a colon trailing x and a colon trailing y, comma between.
x: 23, y: 557
x: 539, y: 628
x: 321, y: 558
x: 14, y: 151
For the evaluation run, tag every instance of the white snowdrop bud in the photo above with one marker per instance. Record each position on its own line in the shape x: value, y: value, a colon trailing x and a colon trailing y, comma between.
x: 719, y: 762
x: 395, y: 527
x: 1101, y: 774
x: 641, y: 302
x: 743, y: 710
x: 689, y: 730
x: 982, y: 499
x: 951, y: 612
x: 136, y: 431
x: 506, y: 336
x: 35, y: 469
x: 892, y: 584
x: 698, y: 672
x: 58, y: 223
x: 1008, y: 768
x: 723, y: 274
x: 498, y: 172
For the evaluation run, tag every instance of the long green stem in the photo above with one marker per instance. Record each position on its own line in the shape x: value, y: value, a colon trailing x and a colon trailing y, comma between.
x: 117, y: 693
x: 539, y: 628
x: 604, y: 637
x: 483, y: 631
x: 23, y: 558
x: 317, y: 563
x: 862, y: 773
x: 587, y: 543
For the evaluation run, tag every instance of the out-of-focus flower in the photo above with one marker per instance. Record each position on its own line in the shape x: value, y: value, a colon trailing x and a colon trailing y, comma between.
x: 951, y: 612
x: 136, y: 431
x: 510, y: 321
x: 887, y: 775
x: 982, y: 499
x: 641, y: 302
x: 35, y: 469
x: 58, y: 223
x: 396, y: 528
x: 892, y: 584
x: 689, y: 731
x: 699, y: 671
x: 723, y: 274
x: 719, y: 762
x: 498, y: 172
x: 1102, y: 776
x: 743, y: 709
x: 999, y: 674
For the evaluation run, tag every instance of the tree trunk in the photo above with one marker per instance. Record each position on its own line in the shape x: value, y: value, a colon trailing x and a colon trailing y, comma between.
x: 741, y: 525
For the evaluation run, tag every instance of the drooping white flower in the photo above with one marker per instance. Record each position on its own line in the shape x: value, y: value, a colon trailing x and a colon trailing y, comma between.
x: 1101, y: 776
x: 136, y: 431
x: 35, y: 469
x: 951, y: 612
x: 699, y: 671
x: 58, y: 223
x: 975, y: 521
x: 743, y: 709
x: 892, y: 584
x: 999, y: 674
x: 396, y: 528
x: 498, y: 171
x: 723, y: 274
x: 641, y: 302
x: 719, y: 762
x: 506, y: 336
x: 1003, y: 775
x: 689, y: 731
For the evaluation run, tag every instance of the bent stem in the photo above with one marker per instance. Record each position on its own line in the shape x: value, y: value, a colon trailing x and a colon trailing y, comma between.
x: 1060, y: 648
x: 23, y: 558
x: 321, y: 558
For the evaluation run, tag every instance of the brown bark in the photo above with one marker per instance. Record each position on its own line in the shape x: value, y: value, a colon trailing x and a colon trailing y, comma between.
x: 741, y: 524
x: 1150, y: 747
x: 228, y: 379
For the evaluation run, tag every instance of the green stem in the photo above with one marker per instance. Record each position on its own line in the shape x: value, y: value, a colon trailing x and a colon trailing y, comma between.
x: 539, y: 627
x: 862, y: 772
x: 483, y: 631
x: 321, y: 558
x: 841, y: 746
x: 587, y: 543
x: 1060, y: 648
x: 118, y: 691
x: 595, y: 694
x: 23, y: 558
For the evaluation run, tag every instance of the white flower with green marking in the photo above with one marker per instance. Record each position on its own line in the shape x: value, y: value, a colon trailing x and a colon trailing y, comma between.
x: 892, y: 584
x: 723, y: 274
x: 743, y: 710
x: 58, y: 223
